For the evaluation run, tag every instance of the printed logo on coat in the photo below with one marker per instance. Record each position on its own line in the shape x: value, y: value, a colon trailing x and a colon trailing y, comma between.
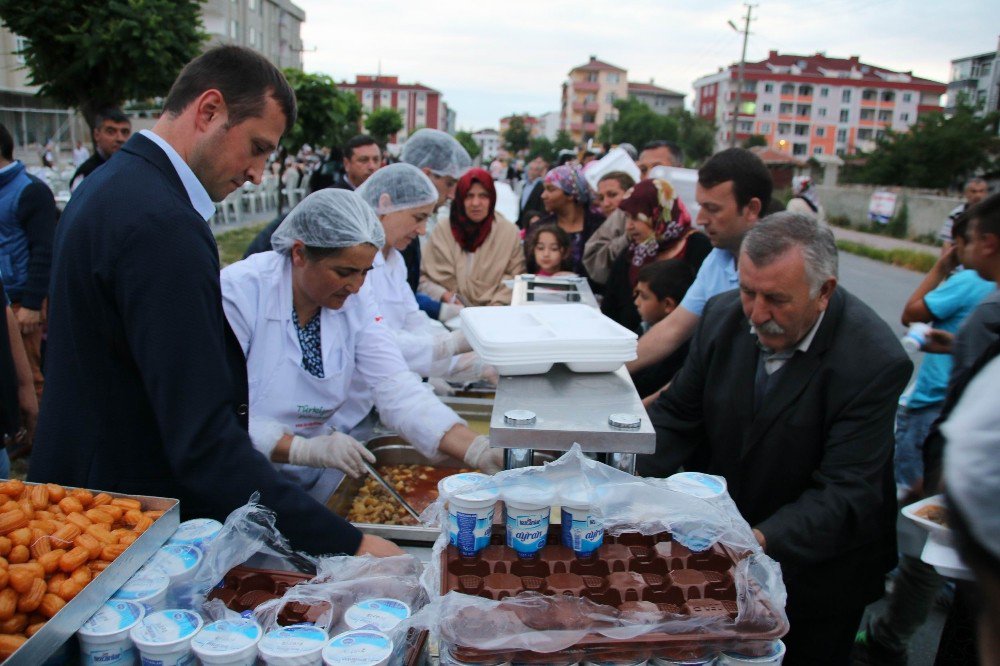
x: 314, y: 412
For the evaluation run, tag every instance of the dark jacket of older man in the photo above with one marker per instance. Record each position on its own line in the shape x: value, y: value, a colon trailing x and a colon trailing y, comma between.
x: 812, y: 468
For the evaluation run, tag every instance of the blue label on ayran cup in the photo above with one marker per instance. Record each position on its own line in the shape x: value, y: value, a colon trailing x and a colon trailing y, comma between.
x: 585, y: 534
x: 472, y: 533
x: 527, y: 531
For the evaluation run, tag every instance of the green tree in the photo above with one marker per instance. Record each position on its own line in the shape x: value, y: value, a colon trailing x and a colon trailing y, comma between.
x: 517, y: 136
x: 696, y: 136
x: 92, y: 55
x: 755, y: 140
x: 541, y: 147
x: 470, y: 145
x: 326, y: 116
x: 563, y: 141
x: 937, y: 151
x: 383, y: 123
x: 638, y: 124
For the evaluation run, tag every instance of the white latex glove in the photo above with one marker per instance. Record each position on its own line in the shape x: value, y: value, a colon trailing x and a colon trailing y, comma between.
x: 441, y: 387
x: 450, y: 344
x: 336, y: 450
x: 481, y: 456
x: 449, y: 311
x: 468, y: 367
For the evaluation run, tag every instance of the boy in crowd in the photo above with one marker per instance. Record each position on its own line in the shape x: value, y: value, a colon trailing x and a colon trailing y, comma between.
x: 660, y: 289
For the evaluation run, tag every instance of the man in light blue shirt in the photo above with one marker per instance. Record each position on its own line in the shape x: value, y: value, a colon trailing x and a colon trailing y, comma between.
x: 733, y: 189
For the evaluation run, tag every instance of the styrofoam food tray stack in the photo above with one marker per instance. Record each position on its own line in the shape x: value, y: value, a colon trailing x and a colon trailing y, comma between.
x: 529, y: 340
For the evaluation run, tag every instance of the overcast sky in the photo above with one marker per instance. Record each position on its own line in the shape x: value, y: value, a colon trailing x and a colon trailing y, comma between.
x: 512, y: 59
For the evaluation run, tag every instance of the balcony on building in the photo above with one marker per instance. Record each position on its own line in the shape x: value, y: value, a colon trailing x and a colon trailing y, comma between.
x: 586, y: 86
x: 585, y: 107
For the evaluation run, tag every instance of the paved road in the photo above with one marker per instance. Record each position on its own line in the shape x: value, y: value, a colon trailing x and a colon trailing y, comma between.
x: 885, y: 288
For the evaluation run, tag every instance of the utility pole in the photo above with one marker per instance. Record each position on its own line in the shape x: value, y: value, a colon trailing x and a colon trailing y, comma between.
x: 743, y: 59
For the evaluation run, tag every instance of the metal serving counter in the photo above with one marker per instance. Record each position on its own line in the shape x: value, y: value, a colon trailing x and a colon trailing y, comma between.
x: 601, y: 412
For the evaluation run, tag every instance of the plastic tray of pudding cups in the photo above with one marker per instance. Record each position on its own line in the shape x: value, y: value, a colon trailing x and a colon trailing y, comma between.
x: 394, y: 450
x: 243, y: 589
x: 58, y: 629
x: 649, y: 577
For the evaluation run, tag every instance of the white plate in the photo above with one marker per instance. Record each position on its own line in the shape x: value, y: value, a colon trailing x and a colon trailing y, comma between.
x: 910, y: 511
x: 945, y: 559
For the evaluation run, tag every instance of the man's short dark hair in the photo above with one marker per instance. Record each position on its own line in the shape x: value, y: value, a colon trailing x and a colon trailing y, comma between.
x: 357, y: 142
x: 624, y: 180
x: 6, y: 144
x: 986, y: 213
x: 676, y: 151
x: 667, y: 278
x: 750, y: 177
x: 111, y: 113
x: 244, y: 77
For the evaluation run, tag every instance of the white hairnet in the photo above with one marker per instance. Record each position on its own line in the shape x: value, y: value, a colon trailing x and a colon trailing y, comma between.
x: 406, y: 185
x: 437, y: 151
x: 329, y: 218
x: 972, y: 457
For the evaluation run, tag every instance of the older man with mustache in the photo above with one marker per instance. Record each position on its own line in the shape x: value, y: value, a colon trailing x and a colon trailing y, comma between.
x: 789, y: 392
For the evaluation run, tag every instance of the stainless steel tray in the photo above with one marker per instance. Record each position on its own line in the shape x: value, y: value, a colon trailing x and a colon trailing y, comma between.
x: 394, y: 450
x: 388, y: 450
x: 67, y: 621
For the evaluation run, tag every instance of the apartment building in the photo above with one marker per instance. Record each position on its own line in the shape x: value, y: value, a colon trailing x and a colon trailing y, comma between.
x: 419, y: 105
x: 272, y: 27
x: 659, y: 99
x: 977, y: 80
x: 532, y: 123
x: 815, y: 105
x: 588, y: 97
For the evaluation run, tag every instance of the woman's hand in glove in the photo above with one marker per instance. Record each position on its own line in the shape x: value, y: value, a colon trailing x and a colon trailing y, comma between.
x: 336, y: 450
x: 481, y: 456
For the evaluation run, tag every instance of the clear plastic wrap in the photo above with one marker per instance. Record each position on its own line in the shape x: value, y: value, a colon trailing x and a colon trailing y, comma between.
x: 248, y: 530
x: 343, y: 582
x: 535, y: 622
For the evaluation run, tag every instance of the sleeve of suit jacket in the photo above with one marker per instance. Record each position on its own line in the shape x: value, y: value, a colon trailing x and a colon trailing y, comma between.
x: 677, y: 414
x: 828, y: 515
x: 167, y: 288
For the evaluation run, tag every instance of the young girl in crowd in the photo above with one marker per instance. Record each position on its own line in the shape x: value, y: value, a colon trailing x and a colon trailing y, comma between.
x: 548, y: 251
x: 659, y: 290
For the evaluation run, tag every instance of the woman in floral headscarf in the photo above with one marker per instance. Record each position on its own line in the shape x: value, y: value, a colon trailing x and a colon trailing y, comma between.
x: 659, y: 227
x: 566, y: 197
x: 467, y: 260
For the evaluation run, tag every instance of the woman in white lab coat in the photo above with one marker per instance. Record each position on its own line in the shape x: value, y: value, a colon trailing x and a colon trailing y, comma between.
x: 403, y: 198
x: 308, y: 326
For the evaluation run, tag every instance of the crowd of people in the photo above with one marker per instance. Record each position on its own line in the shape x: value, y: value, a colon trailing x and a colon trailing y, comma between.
x: 167, y: 376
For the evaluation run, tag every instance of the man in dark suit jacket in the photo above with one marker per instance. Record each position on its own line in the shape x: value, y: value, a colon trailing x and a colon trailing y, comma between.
x: 531, y: 191
x: 147, y: 386
x: 789, y: 392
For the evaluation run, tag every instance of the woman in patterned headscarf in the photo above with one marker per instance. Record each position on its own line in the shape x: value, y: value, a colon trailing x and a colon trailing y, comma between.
x: 567, y: 198
x: 659, y: 227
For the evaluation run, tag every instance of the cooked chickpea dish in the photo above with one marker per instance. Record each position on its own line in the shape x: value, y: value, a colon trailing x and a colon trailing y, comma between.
x: 416, y: 483
x: 53, y: 542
